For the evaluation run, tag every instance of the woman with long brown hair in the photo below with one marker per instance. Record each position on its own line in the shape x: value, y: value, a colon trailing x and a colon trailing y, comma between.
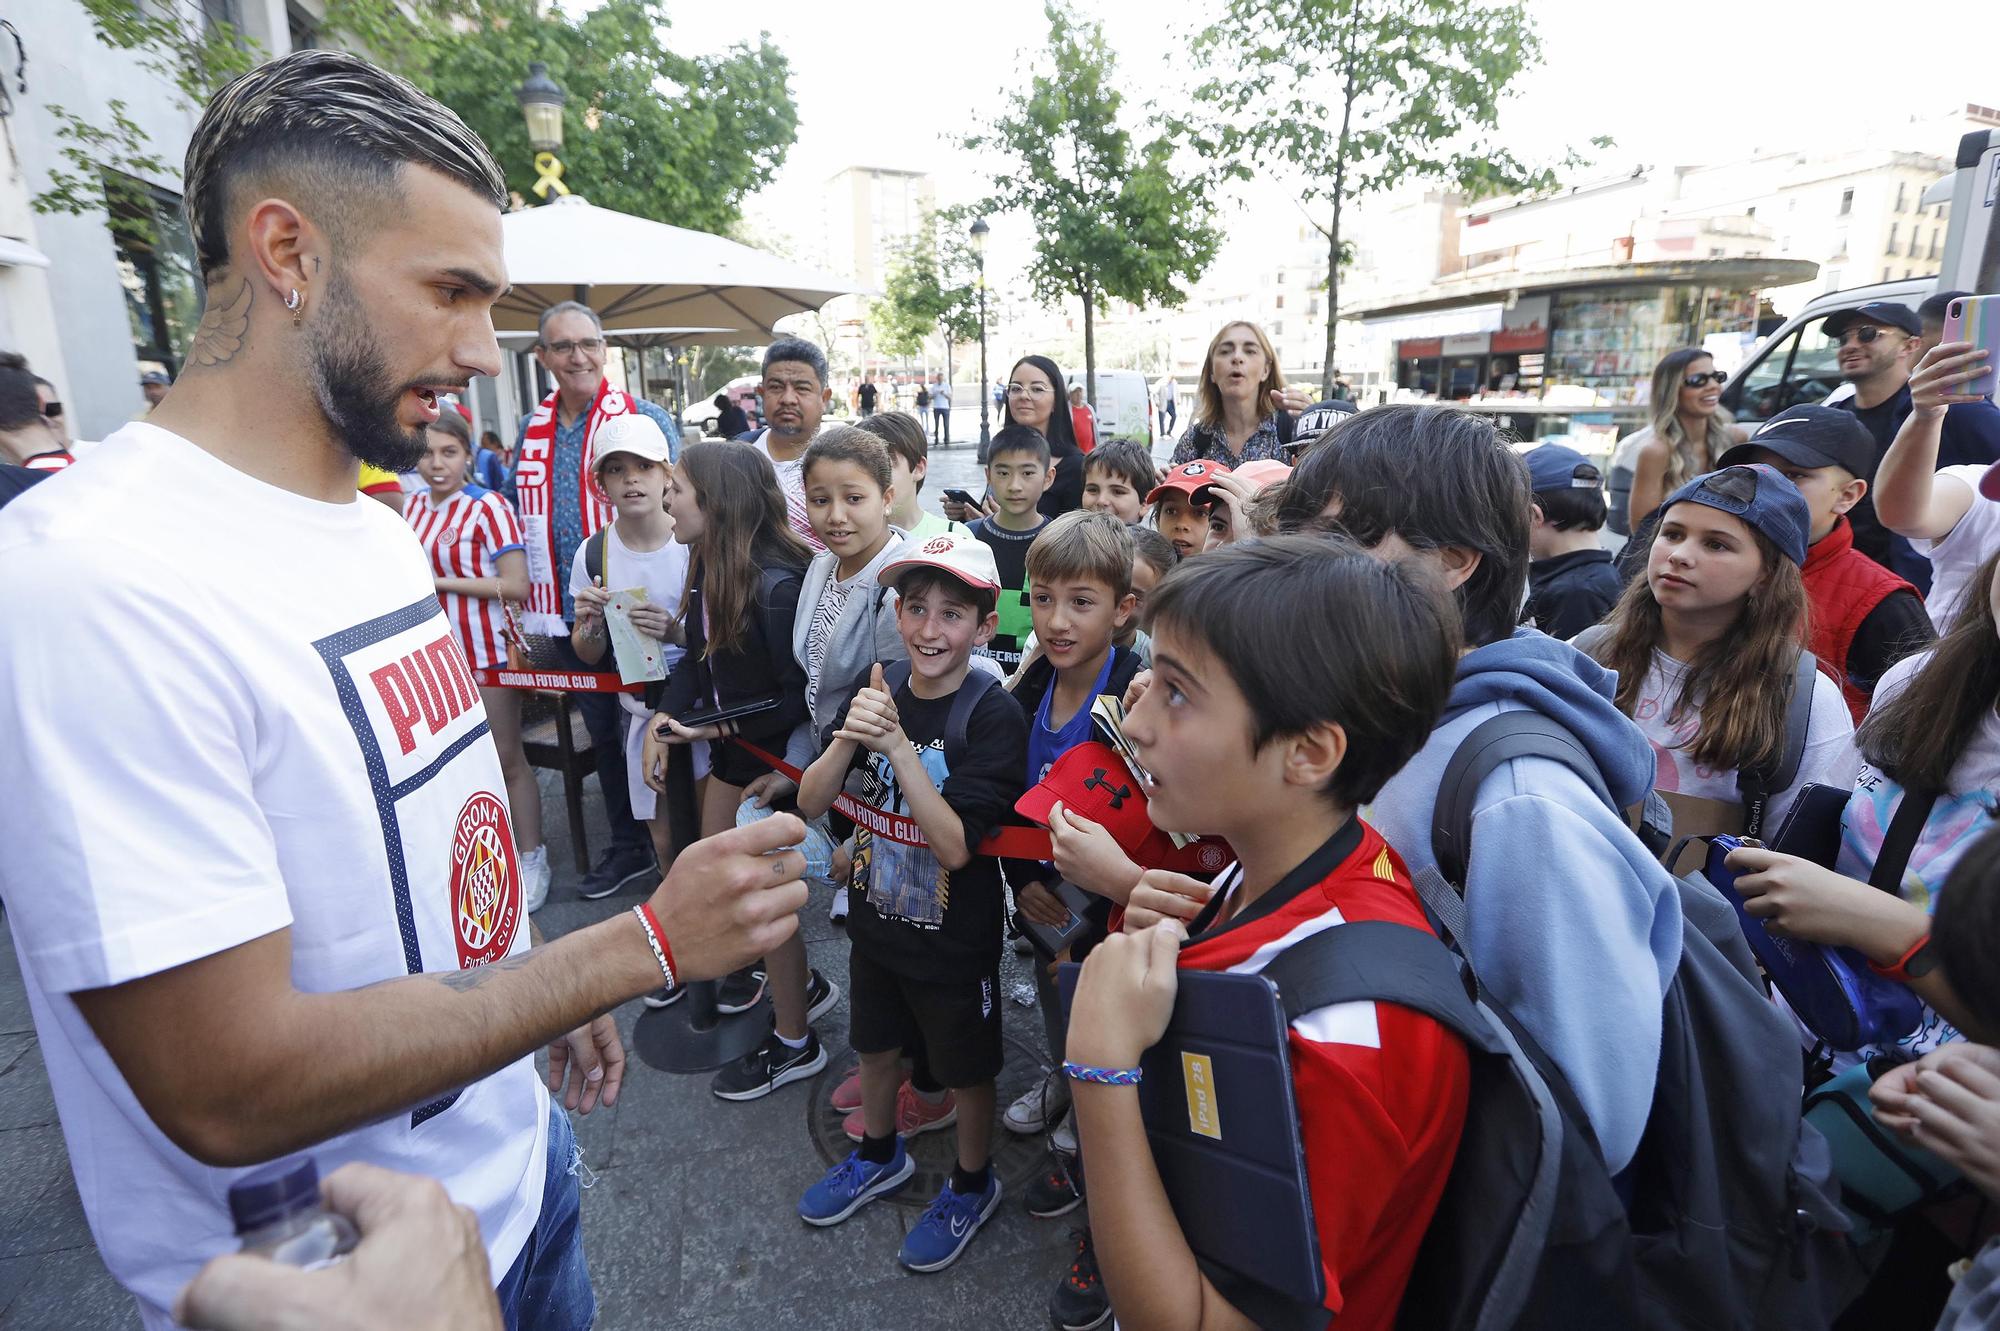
x: 1706, y: 645
x: 1687, y: 431
x: 1240, y: 401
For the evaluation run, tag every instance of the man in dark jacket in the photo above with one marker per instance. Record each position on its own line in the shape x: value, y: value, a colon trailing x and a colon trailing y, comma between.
x: 1572, y: 582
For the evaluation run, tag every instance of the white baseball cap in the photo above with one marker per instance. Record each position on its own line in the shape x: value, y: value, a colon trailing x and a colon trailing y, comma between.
x: 960, y: 554
x: 631, y: 433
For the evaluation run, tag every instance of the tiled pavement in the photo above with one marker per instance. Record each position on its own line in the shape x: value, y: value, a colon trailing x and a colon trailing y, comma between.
x: 689, y: 1225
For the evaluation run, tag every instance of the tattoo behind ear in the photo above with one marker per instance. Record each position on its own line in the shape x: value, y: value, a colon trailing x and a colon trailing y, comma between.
x: 220, y: 334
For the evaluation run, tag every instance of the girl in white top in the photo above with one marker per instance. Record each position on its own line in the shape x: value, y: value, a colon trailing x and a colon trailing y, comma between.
x: 1707, y: 643
x: 1931, y: 728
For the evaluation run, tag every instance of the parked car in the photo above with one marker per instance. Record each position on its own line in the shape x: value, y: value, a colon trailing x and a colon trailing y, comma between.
x: 743, y: 391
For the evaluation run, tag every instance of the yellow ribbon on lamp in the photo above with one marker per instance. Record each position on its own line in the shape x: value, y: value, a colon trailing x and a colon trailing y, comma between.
x: 550, y: 168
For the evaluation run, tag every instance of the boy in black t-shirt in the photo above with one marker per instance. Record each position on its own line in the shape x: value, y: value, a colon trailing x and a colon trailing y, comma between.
x: 1017, y: 471
x: 925, y: 910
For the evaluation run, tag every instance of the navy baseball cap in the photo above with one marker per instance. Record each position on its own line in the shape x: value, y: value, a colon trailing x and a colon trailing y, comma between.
x: 1554, y: 467
x: 1762, y: 497
x: 1315, y: 421
x: 1893, y: 313
x: 1810, y: 435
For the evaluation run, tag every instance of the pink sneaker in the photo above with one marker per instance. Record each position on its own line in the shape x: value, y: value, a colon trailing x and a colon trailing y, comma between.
x: 847, y: 1096
x: 913, y: 1116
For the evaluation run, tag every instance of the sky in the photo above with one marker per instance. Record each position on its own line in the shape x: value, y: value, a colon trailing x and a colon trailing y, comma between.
x: 892, y: 84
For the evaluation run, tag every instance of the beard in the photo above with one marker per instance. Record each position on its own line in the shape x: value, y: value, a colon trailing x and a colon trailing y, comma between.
x: 356, y: 392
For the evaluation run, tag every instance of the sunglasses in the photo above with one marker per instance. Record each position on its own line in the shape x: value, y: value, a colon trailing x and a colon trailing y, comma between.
x: 52, y: 410
x: 1716, y: 377
x: 1864, y: 335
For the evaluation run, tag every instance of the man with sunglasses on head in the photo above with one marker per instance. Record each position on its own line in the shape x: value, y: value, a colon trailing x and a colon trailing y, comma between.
x: 561, y: 508
x: 1879, y: 345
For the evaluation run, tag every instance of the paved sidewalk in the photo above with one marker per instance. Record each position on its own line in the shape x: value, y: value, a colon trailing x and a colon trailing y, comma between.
x: 690, y: 1221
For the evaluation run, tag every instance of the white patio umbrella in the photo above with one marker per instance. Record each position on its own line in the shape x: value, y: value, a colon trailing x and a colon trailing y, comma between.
x: 644, y: 275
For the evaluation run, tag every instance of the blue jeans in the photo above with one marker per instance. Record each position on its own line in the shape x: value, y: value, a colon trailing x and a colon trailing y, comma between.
x: 548, y: 1287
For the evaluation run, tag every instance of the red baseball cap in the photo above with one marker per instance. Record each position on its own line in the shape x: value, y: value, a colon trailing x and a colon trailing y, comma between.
x: 1093, y: 782
x: 1187, y: 478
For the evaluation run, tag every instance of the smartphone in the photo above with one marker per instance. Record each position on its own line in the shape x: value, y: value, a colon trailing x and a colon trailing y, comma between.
x: 961, y: 497
x: 717, y: 715
x: 1976, y: 319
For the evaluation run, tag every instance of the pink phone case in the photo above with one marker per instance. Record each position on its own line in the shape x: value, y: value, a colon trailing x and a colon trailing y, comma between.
x: 1976, y: 319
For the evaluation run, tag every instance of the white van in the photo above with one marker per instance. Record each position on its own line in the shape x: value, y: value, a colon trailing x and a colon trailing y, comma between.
x: 1124, y: 404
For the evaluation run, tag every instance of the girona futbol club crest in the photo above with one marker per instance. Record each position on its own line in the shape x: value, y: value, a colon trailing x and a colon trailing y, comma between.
x: 485, y: 882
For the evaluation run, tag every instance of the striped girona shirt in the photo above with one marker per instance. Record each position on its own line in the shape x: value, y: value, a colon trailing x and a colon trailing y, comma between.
x: 1381, y: 1090
x: 464, y: 538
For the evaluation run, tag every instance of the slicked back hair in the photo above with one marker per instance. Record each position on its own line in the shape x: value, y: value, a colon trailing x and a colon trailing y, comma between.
x: 333, y: 125
x: 20, y: 404
x: 1437, y: 477
x: 1278, y: 614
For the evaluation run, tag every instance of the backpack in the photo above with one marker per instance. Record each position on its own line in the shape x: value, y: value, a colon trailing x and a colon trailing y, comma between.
x: 1755, y: 786
x: 896, y: 674
x: 1731, y: 1198
x: 1528, y: 1231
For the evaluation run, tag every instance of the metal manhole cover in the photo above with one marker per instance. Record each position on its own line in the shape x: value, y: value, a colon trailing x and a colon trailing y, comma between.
x: 1017, y: 1160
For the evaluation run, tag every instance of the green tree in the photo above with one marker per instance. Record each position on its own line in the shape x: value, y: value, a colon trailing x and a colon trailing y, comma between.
x: 1113, y: 218
x: 648, y: 131
x: 931, y: 288
x: 1359, y: 96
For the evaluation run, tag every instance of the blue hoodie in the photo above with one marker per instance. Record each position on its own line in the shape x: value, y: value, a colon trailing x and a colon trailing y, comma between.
x: 1574, y: 927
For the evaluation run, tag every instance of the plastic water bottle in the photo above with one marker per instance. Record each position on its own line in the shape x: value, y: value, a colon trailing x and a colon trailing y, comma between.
x: 278, y: 1215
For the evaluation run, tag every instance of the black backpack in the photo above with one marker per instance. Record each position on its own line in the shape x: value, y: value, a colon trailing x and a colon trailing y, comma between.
x: 1731, y: 1198
x: 977, y: 683
x: 1528, y: 1231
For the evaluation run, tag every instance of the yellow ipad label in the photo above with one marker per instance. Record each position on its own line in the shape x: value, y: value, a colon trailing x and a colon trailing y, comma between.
x: 1204, y: 1116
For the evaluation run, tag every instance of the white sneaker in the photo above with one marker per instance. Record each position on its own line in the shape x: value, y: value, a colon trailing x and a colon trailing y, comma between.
x: 1064, y: 1137
x: 535, y: 877
x: 838, y: 911
x: 1037, y: 1111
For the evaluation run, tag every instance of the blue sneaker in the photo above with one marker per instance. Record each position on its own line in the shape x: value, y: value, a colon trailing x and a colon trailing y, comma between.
x: 852, y: 1184
x: 948, y: 1225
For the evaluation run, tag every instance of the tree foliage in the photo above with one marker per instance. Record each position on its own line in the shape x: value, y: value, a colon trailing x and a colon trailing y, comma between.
x: 1360, y: 96
x: 931, y: 288
x: 648, y: 131
x: 679, y: 139
x: 1113, y: 217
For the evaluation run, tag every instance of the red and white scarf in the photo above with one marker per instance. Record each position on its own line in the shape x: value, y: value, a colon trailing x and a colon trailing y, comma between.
x: 534, y: 485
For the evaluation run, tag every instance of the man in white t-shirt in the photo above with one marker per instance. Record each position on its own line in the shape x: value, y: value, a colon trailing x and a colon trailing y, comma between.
x: 796, y: 396
x: 264, y: 888
x: 1940, y: 512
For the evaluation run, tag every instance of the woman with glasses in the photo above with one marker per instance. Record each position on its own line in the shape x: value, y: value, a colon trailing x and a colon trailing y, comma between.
x: 1243, y: 410
x: 1688, y: 432
x: 1037, y: 397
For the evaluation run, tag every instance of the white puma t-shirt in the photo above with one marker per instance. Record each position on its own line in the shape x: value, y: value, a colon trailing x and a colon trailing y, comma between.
x: 228, y: 710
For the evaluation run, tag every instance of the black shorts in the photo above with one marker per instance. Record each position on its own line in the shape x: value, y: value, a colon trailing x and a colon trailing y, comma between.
x: 736, y: 765
x: 956, y: 1023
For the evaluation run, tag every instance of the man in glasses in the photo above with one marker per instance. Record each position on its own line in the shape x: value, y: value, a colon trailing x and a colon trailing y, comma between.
x: 29, y: 437
x: 561, y: 507
x: 1879, y: 345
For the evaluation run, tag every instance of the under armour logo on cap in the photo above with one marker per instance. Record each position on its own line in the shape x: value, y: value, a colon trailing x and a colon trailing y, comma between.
x: 1117, y: 794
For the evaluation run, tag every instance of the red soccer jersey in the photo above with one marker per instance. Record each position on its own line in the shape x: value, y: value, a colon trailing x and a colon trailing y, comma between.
x: 465, y: 538
x: 1381, y: 1089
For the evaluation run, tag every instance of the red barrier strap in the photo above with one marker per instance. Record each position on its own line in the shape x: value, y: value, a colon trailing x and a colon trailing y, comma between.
x: 559, y: 681
x: 1014, y: 843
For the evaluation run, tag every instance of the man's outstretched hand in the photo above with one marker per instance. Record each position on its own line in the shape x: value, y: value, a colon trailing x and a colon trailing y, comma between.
x: 733, y: 897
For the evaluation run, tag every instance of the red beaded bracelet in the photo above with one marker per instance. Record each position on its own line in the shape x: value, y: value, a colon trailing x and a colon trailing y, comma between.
x: 656, y: 938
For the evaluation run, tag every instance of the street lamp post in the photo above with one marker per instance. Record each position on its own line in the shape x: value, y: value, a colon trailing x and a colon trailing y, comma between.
x: 979, y: 230
x: 542, y: 107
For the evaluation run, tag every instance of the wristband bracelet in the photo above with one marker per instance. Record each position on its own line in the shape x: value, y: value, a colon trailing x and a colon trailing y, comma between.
x: 656, y: 938
x: 1912, y: 965
x: 1103, y: 1076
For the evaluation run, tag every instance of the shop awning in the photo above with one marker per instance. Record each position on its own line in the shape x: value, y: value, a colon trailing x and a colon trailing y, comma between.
x: 1485, y: 288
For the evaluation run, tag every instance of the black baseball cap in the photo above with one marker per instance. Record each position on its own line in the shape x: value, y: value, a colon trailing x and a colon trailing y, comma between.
x: 1892, y: 313
x: 1810, y: 435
